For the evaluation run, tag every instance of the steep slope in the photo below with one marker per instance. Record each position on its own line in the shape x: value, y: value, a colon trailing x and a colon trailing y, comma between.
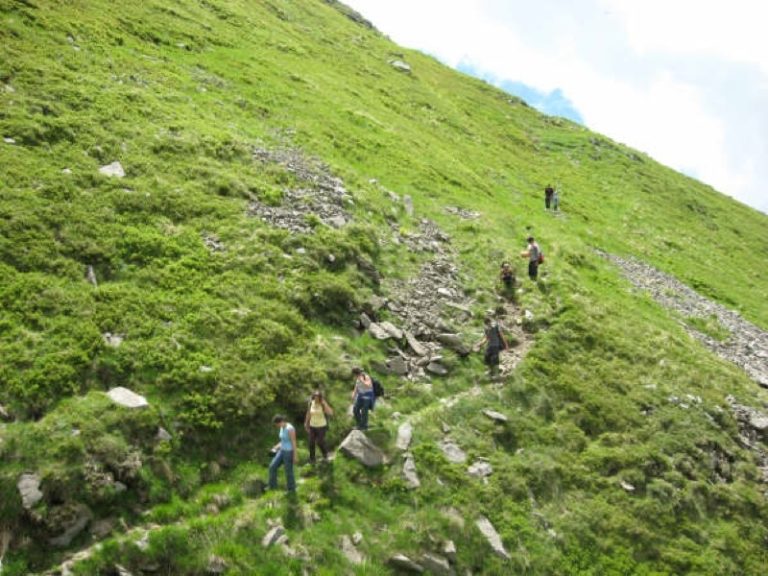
x: 268, y: 149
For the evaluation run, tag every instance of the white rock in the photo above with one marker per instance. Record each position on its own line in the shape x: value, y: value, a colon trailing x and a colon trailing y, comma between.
x: 113, y: 340
x: 400, y: 66
x: 437, y: 565
x: 66, y: 171
x: 350, y: 552
x: 9, y: 140
x: 449, y: 550
x: 114, y: 169
x: 480, y: 469
x: 29, y: 489
x: 392, y: 330
x: 627, y: 486
x: 163, y: 435
x: 273, y: 536
x: 493, y: 415
x: 409, y: 473
x: 357, y: 445
x: 453, y: 452
x: 493, y: 538
x: 378, y: 332
x: 127, y: 398
x: 404, y: 435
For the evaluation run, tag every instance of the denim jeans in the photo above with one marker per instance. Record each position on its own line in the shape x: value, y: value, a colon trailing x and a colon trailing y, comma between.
x: 284, y: 457
x: 363, y: 403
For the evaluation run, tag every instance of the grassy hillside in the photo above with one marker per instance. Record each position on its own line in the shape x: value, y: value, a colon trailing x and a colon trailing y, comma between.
x: 212, y: 107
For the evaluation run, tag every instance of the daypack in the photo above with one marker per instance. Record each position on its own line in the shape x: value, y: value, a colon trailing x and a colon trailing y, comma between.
x: 378, y: 389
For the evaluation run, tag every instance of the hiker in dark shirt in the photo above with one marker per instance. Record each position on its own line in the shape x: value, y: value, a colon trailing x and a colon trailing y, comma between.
x: 495, y: 342
x: 548, y: 192
x: 507, y: 277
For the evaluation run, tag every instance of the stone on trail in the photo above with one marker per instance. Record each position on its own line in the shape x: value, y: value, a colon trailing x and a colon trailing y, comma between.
x: 493, y: 538
x: 409, y: 472
x: 417, y: 347
x: 397, y: 365
x: 402, y: 562
x: 404, y: 435
x: 480, y: 469
x: 453, y: 342
x: 453, y: 452
x: 357, y: 445
x: 29, y: 490
x: 378, y: 332
x: 350, y: 551
x: 437, y: 565
x: 273, y: 536
x: 114, y: 169
x: 497, y: 416
x: 127, y: 398
x: 392, y: 330
x: 449, y: 550
x: 437, y: 369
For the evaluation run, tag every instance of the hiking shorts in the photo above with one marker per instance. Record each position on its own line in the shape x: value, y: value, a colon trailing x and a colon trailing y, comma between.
x: 492, y: 356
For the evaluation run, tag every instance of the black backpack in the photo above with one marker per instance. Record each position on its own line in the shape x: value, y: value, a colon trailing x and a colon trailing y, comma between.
x: 378, y: 389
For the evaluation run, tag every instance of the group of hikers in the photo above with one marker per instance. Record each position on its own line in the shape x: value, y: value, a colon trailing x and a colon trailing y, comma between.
x: 366, y: 388
x: 316, y: 420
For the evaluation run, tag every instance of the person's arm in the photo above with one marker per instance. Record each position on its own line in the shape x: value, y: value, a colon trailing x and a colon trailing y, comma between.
x: 327, y: 408
x: 292, y: 436
x: 354, y: 391
x: 480, y: 343
x: 306, y: 419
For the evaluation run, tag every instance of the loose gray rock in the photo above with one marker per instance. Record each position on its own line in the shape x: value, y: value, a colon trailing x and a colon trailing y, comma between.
x: 103, y: 528
x: 392, y: 330
x: 115, y: 169
x: 163, y: 435
x: 378, y: 332
x: 404, y: 435
x: 437, y: 369
x: 273, y: 536
x: 357, y: 445
x: 449, y: 551
x: 81, y: 516
x: 497, y: 416
x: 365, y: 321
x: 337, y: 221
x: 122, y: 571
x: 453, y: 342
x: 759, y: 422
x: 8, y: 140
x: 350, y: 551
x: 435, y: 564
x: 400, y: 66
x: 127, y: 398
x: 480, y: 469
x: 402, y: 562
x: 409, y: 472
x: 29, y: 489
x: 357, y: 537
x: 452, y: 451
x: 493, y: 538
x: 417, y: 347
x: 627, y: 486
x: 397, y: 365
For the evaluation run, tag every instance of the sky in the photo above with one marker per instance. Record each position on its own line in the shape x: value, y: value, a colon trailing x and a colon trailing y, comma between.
x: 685, y: 81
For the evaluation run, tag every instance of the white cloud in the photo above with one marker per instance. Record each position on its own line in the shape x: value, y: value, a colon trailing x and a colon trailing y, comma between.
x: 685, y: 81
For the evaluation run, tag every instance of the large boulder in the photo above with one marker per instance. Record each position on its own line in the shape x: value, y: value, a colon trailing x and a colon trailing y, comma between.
x: 127, y: 398
x: 358, y: 446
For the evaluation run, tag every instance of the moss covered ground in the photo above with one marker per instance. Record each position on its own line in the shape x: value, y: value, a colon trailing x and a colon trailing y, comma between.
x: 181, y: 93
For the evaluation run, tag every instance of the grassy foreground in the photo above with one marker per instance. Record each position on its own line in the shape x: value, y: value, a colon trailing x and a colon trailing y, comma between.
x: 181, y: 93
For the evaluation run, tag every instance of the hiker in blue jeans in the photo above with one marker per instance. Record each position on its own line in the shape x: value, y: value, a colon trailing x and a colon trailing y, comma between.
x: 363, y: 397
x: 286, y: 454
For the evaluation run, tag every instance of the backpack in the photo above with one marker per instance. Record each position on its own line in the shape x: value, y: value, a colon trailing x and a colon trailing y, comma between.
x: 541, y: 256
x: 378, y: 389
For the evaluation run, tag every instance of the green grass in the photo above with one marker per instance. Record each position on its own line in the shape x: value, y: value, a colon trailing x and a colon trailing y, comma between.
x: 181, y: 93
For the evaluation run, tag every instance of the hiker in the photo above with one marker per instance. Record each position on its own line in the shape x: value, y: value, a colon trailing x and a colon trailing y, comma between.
x: 533, y: 253
x: 316, y: 424
x: 548, y: 193
x: 507, y: 277
x: 556, y: 200
x: 285, y: 454
x: 495, y: 342
x: 363, y: 397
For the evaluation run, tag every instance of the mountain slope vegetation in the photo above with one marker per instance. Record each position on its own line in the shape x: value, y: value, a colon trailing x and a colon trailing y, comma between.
x: 620, y: 454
